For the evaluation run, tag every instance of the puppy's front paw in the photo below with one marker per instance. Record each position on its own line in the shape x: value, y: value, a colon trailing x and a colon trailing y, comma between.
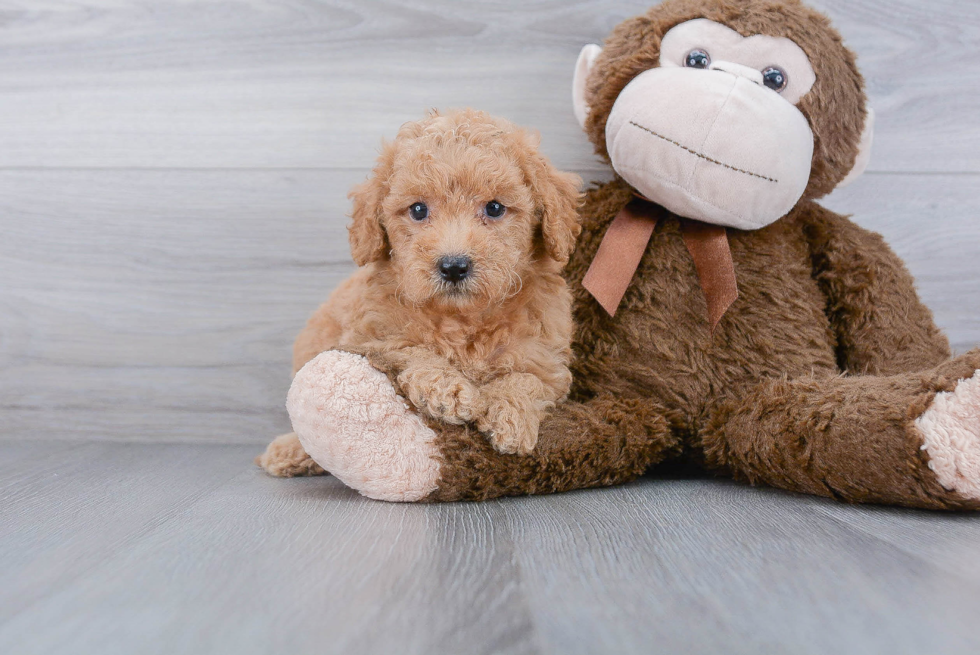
x: 511, y: 429
x: 440, y: 393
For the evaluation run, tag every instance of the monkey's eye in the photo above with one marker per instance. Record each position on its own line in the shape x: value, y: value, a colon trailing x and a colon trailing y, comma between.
x: 494, y: 209
x: 774, y: 78
x: 697, y: 59
x: 418, y: 211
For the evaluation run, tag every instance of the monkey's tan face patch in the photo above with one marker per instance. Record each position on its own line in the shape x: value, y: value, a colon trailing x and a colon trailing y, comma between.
x: 758, y: 52
x: 708, y: 136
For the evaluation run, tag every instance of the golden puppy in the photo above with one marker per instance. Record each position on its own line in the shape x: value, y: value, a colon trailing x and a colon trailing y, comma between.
x: 461, y: 234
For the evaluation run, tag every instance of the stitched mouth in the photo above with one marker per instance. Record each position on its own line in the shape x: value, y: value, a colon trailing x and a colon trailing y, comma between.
x: 703, y: 156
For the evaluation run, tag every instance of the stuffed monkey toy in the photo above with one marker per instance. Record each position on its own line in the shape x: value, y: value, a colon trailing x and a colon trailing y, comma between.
x: 723, y: 317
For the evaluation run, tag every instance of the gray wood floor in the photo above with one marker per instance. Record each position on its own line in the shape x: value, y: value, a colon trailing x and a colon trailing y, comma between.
x: 173, y: 181
x: 175, y: 548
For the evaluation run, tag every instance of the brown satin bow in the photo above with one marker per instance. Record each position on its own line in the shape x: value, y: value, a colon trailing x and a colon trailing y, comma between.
x: 626, y: 240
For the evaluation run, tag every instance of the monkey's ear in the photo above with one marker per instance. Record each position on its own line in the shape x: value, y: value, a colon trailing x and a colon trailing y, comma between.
x: 367, y: 237
x: 586, y: 59
x: 864, y: 150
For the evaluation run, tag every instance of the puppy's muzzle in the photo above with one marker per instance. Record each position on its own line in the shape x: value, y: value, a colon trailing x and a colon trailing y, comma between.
x: 454, y: 268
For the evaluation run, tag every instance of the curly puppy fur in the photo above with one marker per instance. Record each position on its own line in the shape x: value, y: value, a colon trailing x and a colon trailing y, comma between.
x: 494, y: 349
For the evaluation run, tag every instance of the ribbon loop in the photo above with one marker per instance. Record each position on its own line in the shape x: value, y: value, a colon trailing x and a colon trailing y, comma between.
x: 625, y: 241
x: 712, y: 255
x: 619, y: 254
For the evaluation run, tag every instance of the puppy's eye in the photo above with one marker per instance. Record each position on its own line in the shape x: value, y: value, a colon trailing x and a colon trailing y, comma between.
x: 697, y: 59
x: 418, y: 211
x: 494, y: 209
x: 774, y: 78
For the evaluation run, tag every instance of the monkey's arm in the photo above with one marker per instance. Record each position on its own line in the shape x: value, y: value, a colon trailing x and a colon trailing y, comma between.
x: 430, y: 381
x: 507, y: 409
x: 882, y: 327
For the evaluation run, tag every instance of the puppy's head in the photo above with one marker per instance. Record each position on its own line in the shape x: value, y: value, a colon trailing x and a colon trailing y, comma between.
x: 463, y: 207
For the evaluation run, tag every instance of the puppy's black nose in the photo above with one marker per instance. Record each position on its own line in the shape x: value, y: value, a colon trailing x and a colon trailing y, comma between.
x: 454, y: 268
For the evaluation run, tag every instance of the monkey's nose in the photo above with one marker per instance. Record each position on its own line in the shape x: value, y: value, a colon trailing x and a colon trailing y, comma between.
x: 454, y: 268
x: 738, y: 70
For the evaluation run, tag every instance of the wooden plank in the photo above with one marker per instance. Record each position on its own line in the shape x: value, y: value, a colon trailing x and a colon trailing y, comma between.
x: 173, y: 295
x: 68, y: 507
x: 948, y: 541
x: 696, y: 566
x: 145, y: 305
x: 263, y: 565
x: 130, y: 421
x: 253, y: 83
x: 126, y: 548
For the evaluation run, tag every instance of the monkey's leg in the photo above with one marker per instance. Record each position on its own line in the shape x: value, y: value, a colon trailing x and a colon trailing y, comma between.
x: 599, y: 443
x: 908, y: 439
x: 351, y: 420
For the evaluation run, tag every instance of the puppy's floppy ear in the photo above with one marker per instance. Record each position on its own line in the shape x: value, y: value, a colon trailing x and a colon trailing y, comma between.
x: 368, y: 242
x: 559, y: 198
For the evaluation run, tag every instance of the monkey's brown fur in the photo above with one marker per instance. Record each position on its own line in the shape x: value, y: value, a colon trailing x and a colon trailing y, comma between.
x: 814, y: 377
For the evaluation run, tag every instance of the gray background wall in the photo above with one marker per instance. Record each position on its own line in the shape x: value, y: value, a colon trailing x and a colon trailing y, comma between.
x: 173, y: 179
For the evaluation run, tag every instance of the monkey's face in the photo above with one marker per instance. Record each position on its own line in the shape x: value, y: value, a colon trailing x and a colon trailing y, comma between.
x: 713, y: 133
